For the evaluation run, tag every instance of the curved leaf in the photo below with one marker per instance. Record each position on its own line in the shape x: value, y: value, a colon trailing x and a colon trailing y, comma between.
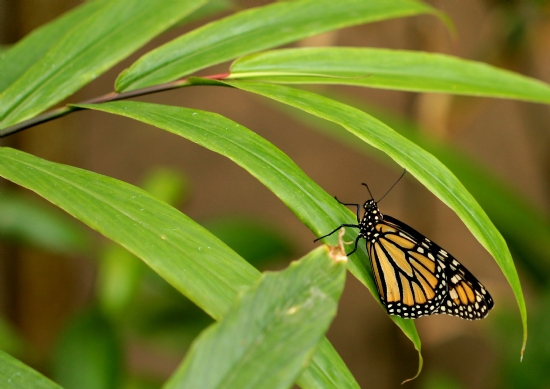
x: 389, y: 69
x: 311, y: 204
x: 87, y: 50
x: 271, y: 331
x: 168, y: 241
x: 191, y: 259
x: 524, y: 227
x: 421, y: 164
x: 257, y: 29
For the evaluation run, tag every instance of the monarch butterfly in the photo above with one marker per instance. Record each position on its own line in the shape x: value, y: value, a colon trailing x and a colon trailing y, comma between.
x: 414, y: 276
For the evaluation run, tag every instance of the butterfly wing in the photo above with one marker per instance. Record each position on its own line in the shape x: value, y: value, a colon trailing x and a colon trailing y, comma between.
x: 467, y: 297
x: 416, y: 277
x: 411, y: 281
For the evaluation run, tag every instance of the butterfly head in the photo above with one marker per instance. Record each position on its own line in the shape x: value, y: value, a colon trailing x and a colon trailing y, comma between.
x: 372, y: 214
x: 370, y: 205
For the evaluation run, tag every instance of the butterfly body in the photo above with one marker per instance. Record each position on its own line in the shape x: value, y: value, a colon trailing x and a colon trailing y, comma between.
x: 414, y: 276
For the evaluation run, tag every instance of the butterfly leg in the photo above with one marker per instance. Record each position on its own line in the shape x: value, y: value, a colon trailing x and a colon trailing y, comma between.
x: 355, y: 248
x: 342, y: 225
x: 355, y: 205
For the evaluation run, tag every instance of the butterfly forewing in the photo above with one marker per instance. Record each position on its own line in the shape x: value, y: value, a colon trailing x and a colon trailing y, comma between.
x: 411, y: 282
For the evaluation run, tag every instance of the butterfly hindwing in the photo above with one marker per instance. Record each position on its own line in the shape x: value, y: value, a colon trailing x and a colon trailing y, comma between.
x: 467, y: 297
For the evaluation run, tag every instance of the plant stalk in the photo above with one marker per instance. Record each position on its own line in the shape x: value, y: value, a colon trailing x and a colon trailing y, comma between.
x: 113, y: 96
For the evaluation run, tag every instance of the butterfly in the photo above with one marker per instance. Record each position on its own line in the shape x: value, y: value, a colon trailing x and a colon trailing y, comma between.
x: 414, y: 276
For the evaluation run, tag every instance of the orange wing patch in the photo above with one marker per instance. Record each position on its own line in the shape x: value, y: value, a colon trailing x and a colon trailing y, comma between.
x: 428, y: 276
x: 419, y: 294
x: 390, y: 278
x: 427, y: 262
x: 400, y: 241
x: 398, y: 256
x: 374, y: 266
x: 407, y: 298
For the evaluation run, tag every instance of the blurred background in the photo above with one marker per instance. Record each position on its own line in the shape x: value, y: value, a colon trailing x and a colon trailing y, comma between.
x: 88, y: 314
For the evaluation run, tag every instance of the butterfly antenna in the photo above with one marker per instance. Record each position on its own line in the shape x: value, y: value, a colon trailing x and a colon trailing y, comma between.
x: 368, y: 190
x: 404, y: 171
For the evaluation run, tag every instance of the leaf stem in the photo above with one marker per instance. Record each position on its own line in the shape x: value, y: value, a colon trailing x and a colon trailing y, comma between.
x: 113, y: 96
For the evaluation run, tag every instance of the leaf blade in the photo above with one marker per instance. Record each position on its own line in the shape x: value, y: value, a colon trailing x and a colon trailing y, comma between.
x: 313, y: 206
x: 389, y: 69
x: 128, y: 215
x: 191, y: 259
x: 288, y: 310
x: 86, y: 51
x: 256, y: 29
x: 524, y: 228
x: 430, y: 171
x: 19, y: 58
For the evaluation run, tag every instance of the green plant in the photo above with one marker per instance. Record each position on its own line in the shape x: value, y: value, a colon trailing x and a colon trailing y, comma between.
x: 59, y: 58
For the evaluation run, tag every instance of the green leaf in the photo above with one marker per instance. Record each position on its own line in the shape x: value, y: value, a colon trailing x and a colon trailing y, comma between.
x: 311, y: 204
x: 88, y: 354
x: 147, y: 227
x: 23, y: 220
x: 257, y: 29
x: 186, y: 255
x: 23, y: 55
x: 271, y: 331
x: 87, y: 50
x: 421, y: 164
x: 15, y: 374
x: 389, y: 69
x: 523, y: 226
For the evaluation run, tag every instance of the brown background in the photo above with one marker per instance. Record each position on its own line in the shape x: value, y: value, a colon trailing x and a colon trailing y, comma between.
x: 40, y: 291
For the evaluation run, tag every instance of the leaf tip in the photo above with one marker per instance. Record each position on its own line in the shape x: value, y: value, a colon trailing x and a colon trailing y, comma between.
x: 420, y: 364
x: 522, y: 352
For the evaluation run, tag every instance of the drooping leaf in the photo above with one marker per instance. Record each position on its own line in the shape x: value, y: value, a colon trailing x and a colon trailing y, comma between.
x: 425, y: 167
x: 523, y: 226
x: 313, y: 206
